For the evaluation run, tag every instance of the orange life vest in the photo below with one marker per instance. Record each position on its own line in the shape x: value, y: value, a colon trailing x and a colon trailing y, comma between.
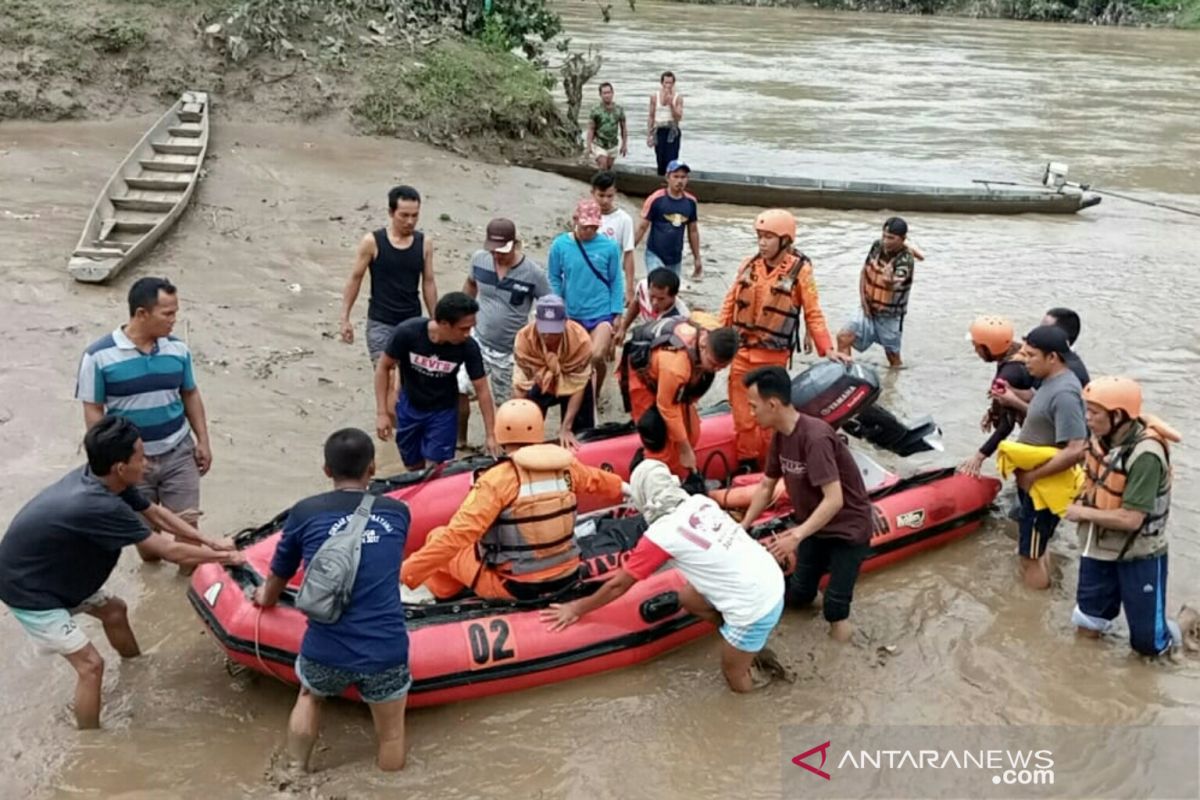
x: 881, y: 296
x: 1107, y: 472
x: 669, y: 333
x: 537, y: 532
x: 773, y: 318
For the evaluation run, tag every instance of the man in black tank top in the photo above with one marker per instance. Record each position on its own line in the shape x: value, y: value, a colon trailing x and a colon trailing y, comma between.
x: 400, y: 259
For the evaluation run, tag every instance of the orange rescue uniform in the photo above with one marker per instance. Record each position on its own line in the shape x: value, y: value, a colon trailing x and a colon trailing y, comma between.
x: 450, y: 558
x: 674, y: 373
x: 764, y: 304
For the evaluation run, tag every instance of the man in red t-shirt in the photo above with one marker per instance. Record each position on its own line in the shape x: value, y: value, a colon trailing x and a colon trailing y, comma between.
x: 827, y: 495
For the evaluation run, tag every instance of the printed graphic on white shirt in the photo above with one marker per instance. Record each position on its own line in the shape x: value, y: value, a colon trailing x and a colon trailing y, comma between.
x: 731, y: 570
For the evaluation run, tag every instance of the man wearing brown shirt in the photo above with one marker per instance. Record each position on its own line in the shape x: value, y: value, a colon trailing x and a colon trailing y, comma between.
x: 827, y: 495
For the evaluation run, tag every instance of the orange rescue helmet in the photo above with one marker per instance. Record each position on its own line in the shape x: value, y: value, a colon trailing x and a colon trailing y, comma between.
x: 994, y: 334
x: 777, y: 221
x: 1113, y: 393
x: 520, y: 422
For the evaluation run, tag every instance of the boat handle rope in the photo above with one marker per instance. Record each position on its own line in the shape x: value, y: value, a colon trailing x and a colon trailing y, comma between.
x: 258, y: 652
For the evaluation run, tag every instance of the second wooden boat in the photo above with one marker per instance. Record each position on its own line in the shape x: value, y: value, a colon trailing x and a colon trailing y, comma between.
x: 146, y: 194
x: 786, y: 192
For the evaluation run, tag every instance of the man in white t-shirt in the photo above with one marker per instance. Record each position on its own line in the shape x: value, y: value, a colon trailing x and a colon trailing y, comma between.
x: 616, y: 224
x: 733, y: 582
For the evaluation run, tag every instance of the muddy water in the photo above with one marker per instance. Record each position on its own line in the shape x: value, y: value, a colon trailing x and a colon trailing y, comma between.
x: 847, y: 95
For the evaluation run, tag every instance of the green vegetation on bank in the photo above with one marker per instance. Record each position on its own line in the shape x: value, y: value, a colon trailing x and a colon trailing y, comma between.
x: 443, y: 71
x: 458, y: 90
x: 1177, y: 13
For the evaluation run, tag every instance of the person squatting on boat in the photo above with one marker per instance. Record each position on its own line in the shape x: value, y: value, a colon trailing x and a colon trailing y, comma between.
x: 514, y: 536
x: 666, y: 367
x: 732, y: 581
x: 554, y: 368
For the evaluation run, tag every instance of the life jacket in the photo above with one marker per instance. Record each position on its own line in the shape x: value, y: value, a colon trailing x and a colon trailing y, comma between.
x: 537, y: 532
x: 996, y: 409
x: 880, y: 296
x: 671, y: 333
x: 1107, y: 471
x: 774, y: 322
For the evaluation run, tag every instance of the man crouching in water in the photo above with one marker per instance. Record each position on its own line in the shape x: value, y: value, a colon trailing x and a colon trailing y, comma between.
x: 514, y: 536
x: 733, y: 582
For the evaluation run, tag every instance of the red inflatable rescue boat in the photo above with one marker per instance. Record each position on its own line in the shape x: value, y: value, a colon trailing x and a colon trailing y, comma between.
x: 472, y: 648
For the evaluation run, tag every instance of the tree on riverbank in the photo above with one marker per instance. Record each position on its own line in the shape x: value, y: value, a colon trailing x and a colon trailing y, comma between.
x: 471, y: 75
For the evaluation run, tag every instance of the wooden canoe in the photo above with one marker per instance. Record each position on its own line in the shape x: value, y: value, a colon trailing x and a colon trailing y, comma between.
x: 147, y: 193
x: 784, y: 192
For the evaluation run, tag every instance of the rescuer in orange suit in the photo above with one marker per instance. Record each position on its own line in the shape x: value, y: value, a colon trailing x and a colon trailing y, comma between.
x: 514, y: 536
x: 764, y: 304
x: 666, y: 367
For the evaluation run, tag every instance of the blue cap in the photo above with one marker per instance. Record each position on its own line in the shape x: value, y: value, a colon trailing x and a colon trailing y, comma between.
x: 677, y: 164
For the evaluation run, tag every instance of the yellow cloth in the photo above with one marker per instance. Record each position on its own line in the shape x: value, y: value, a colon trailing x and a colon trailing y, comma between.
x: 1054, y: 492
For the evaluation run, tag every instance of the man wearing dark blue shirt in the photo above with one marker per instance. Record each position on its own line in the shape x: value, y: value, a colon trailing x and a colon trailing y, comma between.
x: 367, y: 647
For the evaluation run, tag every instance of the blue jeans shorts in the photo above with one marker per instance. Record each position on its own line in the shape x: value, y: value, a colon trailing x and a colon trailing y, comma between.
x: 374, y: 687
x: 867, y: 331
x: 753, y: 637
x: 425, y: 435
x: 653, y: 262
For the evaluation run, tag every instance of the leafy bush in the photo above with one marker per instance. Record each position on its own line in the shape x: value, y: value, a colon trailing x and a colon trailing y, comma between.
x: 117, y: 34
x: 457, y: 90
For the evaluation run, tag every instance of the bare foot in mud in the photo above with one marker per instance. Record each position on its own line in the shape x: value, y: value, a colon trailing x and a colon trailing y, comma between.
x: 767, y: 667
x: 1189, y: 625
x: 285, y: 775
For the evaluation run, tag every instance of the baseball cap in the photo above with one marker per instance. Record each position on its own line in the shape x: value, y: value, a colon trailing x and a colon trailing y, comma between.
x: 550, y: 314
x: 501, y: 235
x: 1049, y: 339
x: 587, y: 212
x: 896, y: 226
x: 677, y: 164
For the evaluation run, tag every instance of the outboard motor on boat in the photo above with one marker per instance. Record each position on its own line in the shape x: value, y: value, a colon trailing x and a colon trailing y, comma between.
x: 834, y: 392
x: 844, y: 395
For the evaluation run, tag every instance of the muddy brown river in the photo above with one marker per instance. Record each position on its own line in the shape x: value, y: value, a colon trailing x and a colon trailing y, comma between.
x: 260, y: 259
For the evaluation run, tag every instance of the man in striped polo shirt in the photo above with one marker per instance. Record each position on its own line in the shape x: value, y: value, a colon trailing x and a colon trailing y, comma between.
x: 141, y: 372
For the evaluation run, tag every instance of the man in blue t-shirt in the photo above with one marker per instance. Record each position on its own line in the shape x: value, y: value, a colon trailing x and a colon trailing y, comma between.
x: 666, y: 215
x: 367, y: 647
x: 585, y: 270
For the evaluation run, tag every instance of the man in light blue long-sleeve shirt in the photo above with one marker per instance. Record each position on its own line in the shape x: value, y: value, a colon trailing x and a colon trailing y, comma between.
x: 585, y: 270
